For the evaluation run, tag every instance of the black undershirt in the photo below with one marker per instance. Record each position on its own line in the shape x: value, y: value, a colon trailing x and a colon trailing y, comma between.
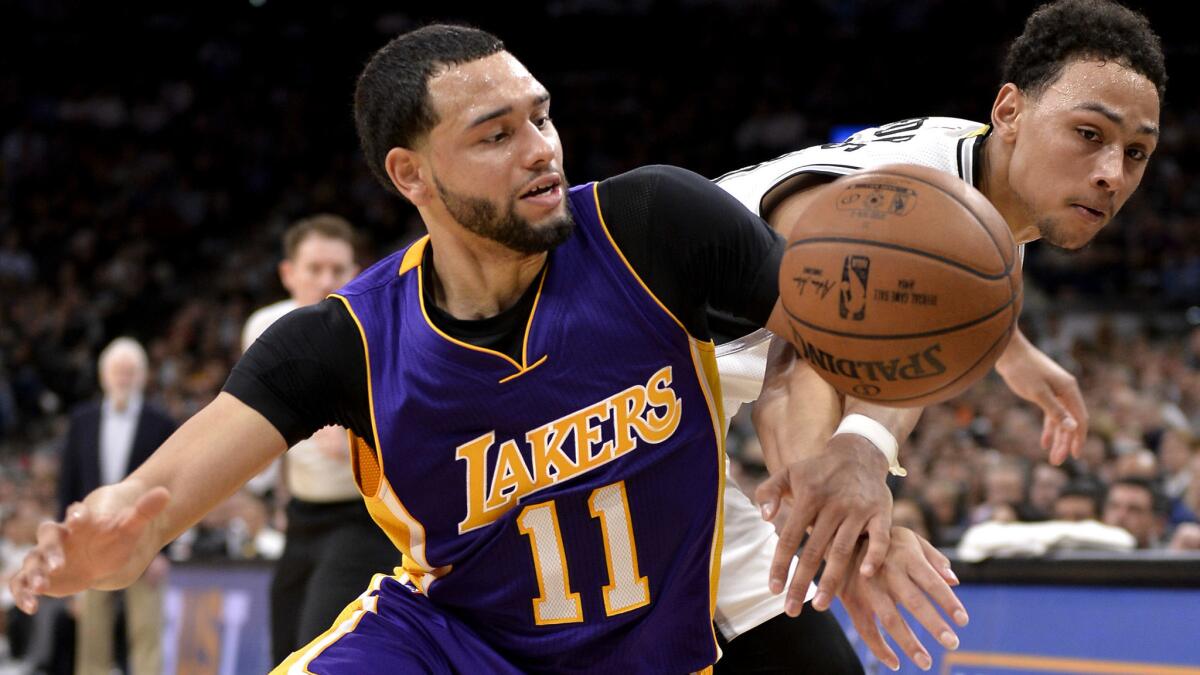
x: 695, y: 247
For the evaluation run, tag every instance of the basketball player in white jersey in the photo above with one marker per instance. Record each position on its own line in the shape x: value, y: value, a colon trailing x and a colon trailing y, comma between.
x: 1070, y: 135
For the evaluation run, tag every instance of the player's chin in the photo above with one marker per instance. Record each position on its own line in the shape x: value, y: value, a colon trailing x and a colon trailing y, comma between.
x: 1073, y: 233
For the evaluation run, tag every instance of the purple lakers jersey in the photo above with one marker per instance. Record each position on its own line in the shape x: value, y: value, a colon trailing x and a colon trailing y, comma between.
x: 564, y: 505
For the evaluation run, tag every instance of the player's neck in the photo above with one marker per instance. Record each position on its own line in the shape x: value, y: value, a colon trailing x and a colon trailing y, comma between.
x: 995, y: 184
x: 474, y: 278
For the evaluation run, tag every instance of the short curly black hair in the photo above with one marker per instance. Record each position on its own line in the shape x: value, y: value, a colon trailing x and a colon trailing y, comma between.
x: 391, y: 99
x: 1062, y: 31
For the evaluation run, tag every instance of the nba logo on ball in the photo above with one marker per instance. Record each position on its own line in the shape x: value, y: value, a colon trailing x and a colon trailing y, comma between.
x: 938, y: 265
x: 852, y: 303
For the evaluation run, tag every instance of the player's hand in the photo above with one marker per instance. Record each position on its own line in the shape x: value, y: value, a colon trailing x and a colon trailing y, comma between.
x: 1036, y: 378
x: 840, y: 493
x: 104, y: 542
x: 917, y: 576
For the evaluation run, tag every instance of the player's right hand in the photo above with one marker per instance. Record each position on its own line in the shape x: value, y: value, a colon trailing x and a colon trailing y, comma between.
x: 841, y: 493
x: 917, y: 576
x: 102, y: 543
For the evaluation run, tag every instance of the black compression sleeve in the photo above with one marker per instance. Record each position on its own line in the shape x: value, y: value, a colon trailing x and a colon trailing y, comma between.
x: 307, y: 371
x: 693, y: 244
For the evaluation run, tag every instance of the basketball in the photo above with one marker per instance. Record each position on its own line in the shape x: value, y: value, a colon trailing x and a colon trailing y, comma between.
x: 901, y: 285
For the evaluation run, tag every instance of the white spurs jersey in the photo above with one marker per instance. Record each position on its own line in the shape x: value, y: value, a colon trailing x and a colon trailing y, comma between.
x: 943, y: 143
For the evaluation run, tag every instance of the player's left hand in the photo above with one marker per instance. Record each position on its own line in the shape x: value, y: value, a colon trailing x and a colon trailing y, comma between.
x: 917, y: 576
x: 841, y: 493
x: 1036, y: 378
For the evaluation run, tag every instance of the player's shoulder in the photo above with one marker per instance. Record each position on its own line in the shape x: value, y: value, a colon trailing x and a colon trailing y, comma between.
x: 262, y: 319
x: 387, y: 271
x: 937, y: 142
x: 651, y: 177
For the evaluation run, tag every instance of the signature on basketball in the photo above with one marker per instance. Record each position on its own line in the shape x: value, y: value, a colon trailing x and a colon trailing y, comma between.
x: 821, y: 286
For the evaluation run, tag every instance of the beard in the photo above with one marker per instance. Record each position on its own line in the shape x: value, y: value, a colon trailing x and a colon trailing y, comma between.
x: 508, y: 229
x: 1052, y: 232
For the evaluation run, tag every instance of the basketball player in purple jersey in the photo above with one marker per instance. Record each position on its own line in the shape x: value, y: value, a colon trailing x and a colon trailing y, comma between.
x: 1071, y: 133
x: 530, y: 390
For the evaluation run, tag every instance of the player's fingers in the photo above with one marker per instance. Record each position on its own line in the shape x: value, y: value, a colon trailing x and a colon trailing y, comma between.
x: 1049, y: 424
x: 23, y: 596
x: 78, y: 518
x: 1060, y: 446
x: 769, y: 493
x: 864, y: 622
x: 895, y: 625
x: 23, y: 584
x: 838, y: 563
x: 915, y: 596
x: 933, y: 585
x: 940, y: 564
x: 1057, y: 420
x: 810, y: 561
x: 1072, y: 399
x: 789, y: 542
x: 50, y: 539
x: 879, y: 539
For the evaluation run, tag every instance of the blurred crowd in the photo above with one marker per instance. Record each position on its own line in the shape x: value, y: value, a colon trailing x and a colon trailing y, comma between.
x: 146, y: 180
x: 979, y: 458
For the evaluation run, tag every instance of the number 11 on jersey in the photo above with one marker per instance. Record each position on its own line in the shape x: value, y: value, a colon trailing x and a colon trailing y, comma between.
x: 626, y: 590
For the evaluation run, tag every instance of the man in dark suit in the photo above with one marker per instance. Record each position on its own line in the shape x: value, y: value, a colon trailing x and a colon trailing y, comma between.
x: 106, y: 441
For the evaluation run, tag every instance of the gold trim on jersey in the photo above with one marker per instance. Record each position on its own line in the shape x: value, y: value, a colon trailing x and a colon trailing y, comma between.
x: 384, y: 505
x: 412, y: 258
x: 522, y: 367
x: 604, y: 226
x: 345, y: 623
x: 705, y: 361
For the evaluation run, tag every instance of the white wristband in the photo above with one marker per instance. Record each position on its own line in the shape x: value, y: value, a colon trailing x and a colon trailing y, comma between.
x: 879, y: 436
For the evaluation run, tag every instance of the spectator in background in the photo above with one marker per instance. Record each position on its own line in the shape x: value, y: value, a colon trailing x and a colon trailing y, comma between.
x: 105, y: 442
x: 1137, y: 506
x: 917, y: 516
x: 1078, y: 500
x: 1003, y: 486
x: 333, y: 547
x: 1174, y: 455
x: 1047, y: 484
x: 1185, y: 538
x: 946, y: 498
x: 1186, y: 509
x: 1138, y: 463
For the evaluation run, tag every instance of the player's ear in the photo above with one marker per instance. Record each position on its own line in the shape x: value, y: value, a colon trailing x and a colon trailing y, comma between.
x: 1006, y: 110
x: 403, y: 166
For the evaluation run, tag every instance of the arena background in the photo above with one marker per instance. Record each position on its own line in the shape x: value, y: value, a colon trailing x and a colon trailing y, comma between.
x: 151, y: 155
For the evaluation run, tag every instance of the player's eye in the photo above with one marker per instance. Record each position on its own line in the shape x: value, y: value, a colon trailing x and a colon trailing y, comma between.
x: 497, y: 137
x: 542, y: 121
x: 1088, y: 134
x: 1137, y: 154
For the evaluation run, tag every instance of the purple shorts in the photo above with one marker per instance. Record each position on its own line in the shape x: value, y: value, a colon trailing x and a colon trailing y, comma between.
x: 392, y: 629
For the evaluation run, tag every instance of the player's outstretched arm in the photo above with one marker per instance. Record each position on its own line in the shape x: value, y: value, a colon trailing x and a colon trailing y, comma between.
x: 917, y: 576
x: 109, y: 538
x: 831, y: 488
x: 1036, y: 378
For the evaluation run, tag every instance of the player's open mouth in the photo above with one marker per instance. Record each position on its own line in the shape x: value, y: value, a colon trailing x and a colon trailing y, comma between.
x: 1089, y: 213
x: 545, y: 191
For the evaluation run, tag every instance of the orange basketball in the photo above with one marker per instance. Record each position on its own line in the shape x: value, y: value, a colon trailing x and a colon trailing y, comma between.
x: 901, y: 284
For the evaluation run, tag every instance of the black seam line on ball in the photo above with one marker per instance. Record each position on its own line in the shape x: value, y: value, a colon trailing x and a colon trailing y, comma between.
x: 899, y: 336
x: 906, y: 249
x: 951, y: 383
x: 965, y: 205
